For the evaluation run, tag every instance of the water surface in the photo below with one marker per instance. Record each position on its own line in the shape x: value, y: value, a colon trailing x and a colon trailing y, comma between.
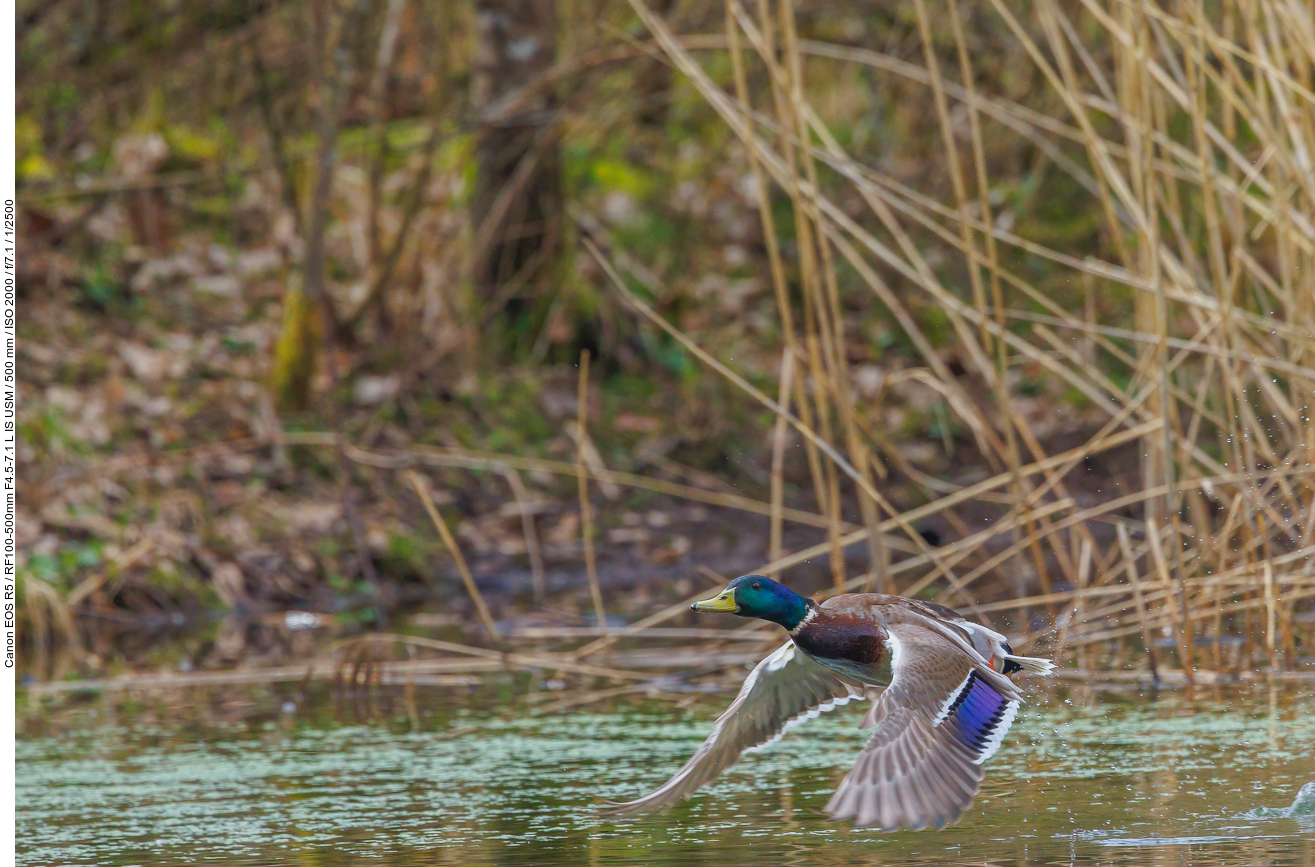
x: 1089, y: 778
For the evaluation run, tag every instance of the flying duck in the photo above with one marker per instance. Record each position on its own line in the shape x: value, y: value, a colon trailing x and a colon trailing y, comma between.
x: 944, y: 710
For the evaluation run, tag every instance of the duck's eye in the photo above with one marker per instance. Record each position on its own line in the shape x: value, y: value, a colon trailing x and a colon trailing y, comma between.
x: 757, y: 586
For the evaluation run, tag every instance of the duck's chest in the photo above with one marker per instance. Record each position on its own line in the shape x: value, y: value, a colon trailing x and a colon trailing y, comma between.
x: 852, y: 646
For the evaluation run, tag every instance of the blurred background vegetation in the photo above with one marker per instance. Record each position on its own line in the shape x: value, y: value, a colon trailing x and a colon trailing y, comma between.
x: 548, y: 314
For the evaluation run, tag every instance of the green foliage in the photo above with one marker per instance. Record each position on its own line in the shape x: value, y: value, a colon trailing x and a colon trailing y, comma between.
x: 328, y: 547
x: 617, y: 175
x: 60, y: 569
x: 32, y: 164
x: 510, y: 403
x: 191, y: 145
x: 101, y: 287
x: 627, y: 389
x: 409, y: 556
x: 935, y: 324
x: 43, y: 430
x: 458, y: 151
x: 1075, y: 399
x: 44, y: 566
x: 237, y: 347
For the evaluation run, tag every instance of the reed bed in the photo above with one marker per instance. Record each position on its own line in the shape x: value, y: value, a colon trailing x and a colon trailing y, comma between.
x: 1191, y: 126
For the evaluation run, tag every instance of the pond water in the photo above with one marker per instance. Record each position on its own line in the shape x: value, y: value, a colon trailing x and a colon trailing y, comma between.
x: 1084, y: 778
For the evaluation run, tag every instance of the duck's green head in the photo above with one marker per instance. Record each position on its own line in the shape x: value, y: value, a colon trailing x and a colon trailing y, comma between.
x: 761, y: 597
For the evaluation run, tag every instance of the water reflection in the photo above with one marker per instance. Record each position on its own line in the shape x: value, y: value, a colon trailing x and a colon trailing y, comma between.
x: 1088, y: 779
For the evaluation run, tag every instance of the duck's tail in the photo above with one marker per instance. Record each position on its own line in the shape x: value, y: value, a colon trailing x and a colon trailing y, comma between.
x: 1000, y: 656
x: 1029, y: 664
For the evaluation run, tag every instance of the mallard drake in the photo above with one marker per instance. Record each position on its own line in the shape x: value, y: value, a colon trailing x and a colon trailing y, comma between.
x: 945, y: 708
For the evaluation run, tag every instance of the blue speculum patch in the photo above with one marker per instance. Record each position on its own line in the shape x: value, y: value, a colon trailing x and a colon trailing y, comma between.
x: 977, y: 711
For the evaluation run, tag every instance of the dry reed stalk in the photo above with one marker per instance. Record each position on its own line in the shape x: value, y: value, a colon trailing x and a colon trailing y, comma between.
x: 1270, y: 614
x: 1210, y: 230
x: 1071, y: 596
x: 1010, y: 420
x: 830, y: 312
x: 1064, y: 459
x: 1168, y: 408
x: 781, y: 291
x: 932, y: 358
x: 1076, y: 613
x: 586, y: 513
x: 422, y: 491
x: 913, y: 204
x: 784, y: 305
x: 1130, y: 564
x: 716, y: 579
x: 819, y: 334
x: 716, y: 365
x: 1241, y: 586
x: 532, y: 546
x: 701, y: 478
x: 1177, y: 607
x: 775, y: 549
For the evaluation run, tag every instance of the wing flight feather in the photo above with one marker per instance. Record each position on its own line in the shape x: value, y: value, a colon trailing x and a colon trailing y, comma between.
x: 783, y: 690
x: 943, y: 714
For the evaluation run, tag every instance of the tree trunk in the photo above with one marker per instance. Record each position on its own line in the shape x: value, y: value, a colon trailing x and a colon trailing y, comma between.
x: 297, y: 349
x: 517, y: 198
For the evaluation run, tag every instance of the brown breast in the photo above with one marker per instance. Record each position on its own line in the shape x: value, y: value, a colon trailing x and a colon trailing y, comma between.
x: 853, y: 638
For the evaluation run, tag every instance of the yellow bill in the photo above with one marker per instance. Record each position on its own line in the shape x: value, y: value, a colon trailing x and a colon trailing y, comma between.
x: 724, y: 601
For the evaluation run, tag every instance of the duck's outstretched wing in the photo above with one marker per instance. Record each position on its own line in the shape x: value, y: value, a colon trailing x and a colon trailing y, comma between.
x: 785, y: 689
x: 943, y: 714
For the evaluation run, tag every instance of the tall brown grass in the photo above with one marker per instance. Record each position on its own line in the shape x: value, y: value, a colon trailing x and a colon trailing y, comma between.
x: 1191, y: 126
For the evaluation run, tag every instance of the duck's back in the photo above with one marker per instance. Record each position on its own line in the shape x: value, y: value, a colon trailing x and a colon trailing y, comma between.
x: 887, y: 609
x: 885, y: 605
